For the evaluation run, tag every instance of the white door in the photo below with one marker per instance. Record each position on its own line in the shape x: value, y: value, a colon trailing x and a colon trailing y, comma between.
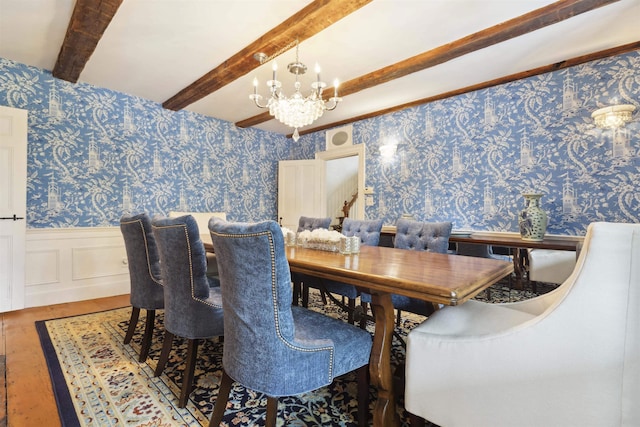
x: 300, y: 189
x: 13, y: 206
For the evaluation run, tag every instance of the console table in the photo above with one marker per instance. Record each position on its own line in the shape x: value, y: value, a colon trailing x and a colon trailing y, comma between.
x: 514, y: 241
x: 506, y: 240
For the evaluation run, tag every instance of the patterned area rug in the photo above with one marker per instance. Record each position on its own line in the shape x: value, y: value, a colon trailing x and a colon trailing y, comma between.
x: 98, y: 381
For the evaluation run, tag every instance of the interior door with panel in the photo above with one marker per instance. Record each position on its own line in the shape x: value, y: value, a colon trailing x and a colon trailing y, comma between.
x: 13, y: 206
x: 302, y: 185
x: 300, y: 190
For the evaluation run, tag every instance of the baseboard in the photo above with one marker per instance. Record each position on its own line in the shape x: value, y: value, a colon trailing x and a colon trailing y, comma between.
x: 74, y: 294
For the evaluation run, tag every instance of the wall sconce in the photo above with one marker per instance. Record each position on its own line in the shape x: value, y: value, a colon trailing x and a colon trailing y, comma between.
x: 387, y: 151
x: 614, y: 116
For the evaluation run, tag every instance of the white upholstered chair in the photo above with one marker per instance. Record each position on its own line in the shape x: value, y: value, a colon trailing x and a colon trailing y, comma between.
x: 570, y: 357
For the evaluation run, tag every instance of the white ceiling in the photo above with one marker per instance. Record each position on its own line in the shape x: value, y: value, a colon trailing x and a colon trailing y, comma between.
x: 155, y: 48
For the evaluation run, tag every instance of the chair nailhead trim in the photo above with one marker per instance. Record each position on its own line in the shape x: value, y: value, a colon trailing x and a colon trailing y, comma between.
x: 274, y: 296
x: 193, y: 296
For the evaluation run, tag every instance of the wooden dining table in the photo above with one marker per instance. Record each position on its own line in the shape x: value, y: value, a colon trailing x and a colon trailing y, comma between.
x: 381, y: 271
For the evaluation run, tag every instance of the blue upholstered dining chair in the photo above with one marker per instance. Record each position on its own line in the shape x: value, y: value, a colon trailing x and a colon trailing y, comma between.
x: 369, y: 233
x: 193, y: 302
x: 307, y: 223
x: 144, y: 274
x: 417, y: 236
x: 271, y: 346
x: 480, y: 251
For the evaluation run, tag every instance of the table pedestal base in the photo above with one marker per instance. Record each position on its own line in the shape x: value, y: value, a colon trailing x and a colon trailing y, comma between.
x: 384, y: 412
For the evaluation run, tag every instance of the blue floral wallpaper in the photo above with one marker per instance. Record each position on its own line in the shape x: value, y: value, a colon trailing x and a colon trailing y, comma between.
x: 468, y: 159
x: 94, y: 154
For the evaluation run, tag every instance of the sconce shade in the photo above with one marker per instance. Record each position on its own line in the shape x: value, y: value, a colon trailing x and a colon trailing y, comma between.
x: 614, y: 116
x: 387, y: 151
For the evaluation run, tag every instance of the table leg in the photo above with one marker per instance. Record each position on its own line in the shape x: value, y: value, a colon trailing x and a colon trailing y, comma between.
x: 520, y: 267
x: 384, y: 412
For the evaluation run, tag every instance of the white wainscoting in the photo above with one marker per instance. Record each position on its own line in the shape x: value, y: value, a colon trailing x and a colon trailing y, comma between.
x: 74, y: 264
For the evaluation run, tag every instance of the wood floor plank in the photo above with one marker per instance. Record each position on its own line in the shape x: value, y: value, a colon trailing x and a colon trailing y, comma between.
x: 30, y: 399
x: 2, y: 338
x: 3, y: 393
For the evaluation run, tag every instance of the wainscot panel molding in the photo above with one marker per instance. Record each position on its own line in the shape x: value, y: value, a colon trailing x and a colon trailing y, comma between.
x: 74, y: 264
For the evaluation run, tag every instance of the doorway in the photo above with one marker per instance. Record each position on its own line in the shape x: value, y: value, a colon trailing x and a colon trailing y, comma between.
x: 344, y: 177
x: 302, y: 186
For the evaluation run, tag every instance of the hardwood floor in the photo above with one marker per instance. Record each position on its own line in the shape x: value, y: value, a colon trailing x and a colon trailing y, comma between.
x: 29, y: 396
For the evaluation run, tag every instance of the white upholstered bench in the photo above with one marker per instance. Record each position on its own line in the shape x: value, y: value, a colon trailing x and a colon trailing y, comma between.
x: 550, y: 266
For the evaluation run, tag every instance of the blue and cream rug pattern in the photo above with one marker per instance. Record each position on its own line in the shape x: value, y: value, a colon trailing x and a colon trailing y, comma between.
x: 98, y: 380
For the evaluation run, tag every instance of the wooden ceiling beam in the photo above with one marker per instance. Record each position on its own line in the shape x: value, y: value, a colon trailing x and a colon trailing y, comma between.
x: 529, y: 22
x: 309, y: 21
x: 619, y: 50
x: 89, y: 20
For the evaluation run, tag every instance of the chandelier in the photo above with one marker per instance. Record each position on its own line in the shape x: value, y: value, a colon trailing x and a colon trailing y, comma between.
x: 296, y: 110
x: 613, y: 117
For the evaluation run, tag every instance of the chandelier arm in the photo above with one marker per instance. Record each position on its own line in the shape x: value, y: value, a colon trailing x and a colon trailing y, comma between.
x: 258, y: 104
x: 256, y: 99
x: 335, y: 101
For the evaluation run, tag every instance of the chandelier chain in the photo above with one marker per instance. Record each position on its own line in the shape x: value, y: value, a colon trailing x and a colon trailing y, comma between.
x: 266, y: 59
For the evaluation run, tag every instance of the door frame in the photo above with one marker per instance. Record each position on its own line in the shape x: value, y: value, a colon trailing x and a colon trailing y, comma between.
x: 349, y: 151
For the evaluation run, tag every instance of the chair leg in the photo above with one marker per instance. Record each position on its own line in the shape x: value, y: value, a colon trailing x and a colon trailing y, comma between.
x: 399, y: 318
x: 187, y: 376
x: 272, y: 411
x: 363, y: 396
x: 352, y: 307
x: 436, y: 307
x: 148, y: 335
x: 363, y: 317
x: 133, y: 321
x: 323, y: 295
x: 305, y: 295
x: 296, y: 293
x: 164, y: 355
x: 221, y: 400
x: 416, y: 421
